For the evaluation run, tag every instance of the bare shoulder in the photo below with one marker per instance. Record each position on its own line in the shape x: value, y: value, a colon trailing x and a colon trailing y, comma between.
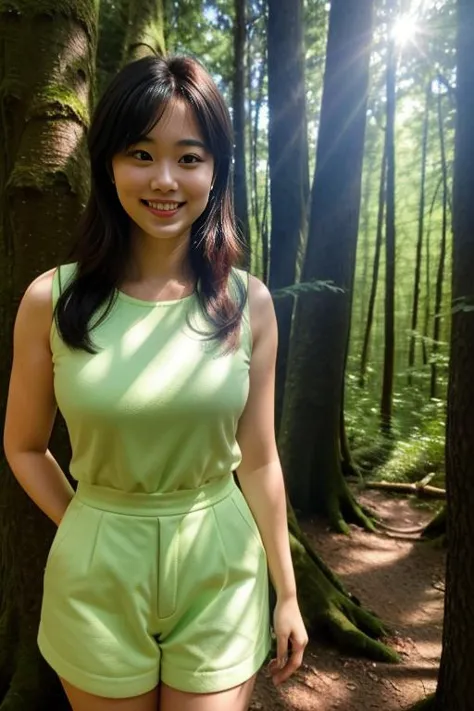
x: 262, y: 311
x: 36, y: 307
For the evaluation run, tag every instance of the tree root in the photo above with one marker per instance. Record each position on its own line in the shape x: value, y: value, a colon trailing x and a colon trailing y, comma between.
x: 327, y: 609
x: 427, y: 704
x: 437, y: 526
x: 345, y: 510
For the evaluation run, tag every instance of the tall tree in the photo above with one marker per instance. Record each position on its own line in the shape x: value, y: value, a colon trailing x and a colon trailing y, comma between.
x: 113, y: 22
x: 375, y: 270
x: 239, y: 122
x: 145, y: 29
x: 389, y: 324
x: 421, y: 228
x: 46, y: 75
x: 456, y: 681
x: 442, y: 253
x: 309, y: 436
x: 288, y: 157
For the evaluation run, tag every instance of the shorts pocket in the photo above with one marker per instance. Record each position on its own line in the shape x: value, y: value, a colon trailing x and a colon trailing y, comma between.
x: 243, y: 508
x: 64, y: 527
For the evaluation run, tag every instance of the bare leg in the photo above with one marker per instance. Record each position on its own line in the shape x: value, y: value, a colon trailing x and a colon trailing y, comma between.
x: 236, y: 699
x: 82, y: 701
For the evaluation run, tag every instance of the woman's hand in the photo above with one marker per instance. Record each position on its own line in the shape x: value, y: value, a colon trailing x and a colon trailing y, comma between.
x: 291, y: 639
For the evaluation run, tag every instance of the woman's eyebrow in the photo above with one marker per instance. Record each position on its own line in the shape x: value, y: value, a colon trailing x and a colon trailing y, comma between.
x: 182, y: 142
x: 191, y: 142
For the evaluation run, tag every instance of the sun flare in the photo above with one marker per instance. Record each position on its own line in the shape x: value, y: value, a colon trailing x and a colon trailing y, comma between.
x: 405, y: 29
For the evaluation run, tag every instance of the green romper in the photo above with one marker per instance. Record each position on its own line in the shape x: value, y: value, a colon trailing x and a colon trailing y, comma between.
x: 157, y: 571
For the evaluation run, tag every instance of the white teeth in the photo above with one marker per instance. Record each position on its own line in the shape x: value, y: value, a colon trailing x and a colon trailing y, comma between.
x: 163, y: 205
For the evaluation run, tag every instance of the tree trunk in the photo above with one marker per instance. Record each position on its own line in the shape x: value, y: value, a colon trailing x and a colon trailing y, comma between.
x: 256, y: 202
x: 456, y: 681
x: 375, y: 274
x: 389, y: 326
x: 265, y: 226
x: 145, y: 29
x: 239, y: 120
x: 113, y: 21
x: 371, y: 155
x: 426, y: 317
x: 419, y: 244
x: 288, y: 157
x: 46, y: 74
x: 309, y: 436
x: 442, y: 256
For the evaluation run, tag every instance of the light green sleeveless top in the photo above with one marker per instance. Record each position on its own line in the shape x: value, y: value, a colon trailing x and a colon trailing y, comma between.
x: 157, y: 407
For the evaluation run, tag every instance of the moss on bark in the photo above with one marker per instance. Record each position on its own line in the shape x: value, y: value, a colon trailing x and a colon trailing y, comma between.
x: 329, y: 609
x: 46, y: 76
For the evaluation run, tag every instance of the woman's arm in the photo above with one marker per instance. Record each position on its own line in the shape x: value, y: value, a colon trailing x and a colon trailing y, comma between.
x: 31, y: 406
x: 261, y: 478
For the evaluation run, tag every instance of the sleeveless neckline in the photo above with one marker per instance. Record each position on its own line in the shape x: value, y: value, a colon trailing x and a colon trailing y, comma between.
x: 151, y: 304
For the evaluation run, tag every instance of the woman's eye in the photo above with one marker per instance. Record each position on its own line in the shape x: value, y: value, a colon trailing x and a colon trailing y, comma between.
x: 189, y: 159
x: 140, y: 155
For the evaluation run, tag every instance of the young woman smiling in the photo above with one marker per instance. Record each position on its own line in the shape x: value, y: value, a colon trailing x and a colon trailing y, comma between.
x: 160, y: 354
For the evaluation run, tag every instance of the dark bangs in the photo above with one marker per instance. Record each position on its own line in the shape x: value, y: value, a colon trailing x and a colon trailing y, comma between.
x: 130, y: 109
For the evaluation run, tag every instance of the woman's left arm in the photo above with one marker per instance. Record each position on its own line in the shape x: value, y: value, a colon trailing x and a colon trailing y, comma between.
x: 262, y: 484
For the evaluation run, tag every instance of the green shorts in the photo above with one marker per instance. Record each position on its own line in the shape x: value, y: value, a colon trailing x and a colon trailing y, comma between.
x: 140, y: 588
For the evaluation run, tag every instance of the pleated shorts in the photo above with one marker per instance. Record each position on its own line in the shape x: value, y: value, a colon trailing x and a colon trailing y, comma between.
x: 142, y: 588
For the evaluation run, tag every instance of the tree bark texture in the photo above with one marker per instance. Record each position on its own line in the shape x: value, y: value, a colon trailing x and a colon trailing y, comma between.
x: 46, y: 77
x: 288, y: 157
x: 145, y: 29
x: 456, y: 681
x: 309, y: 436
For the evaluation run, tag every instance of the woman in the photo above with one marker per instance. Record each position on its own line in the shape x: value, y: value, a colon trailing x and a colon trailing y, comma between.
x: 160, y: 354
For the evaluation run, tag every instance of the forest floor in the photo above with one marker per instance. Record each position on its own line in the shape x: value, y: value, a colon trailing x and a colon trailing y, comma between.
x: 398, y: 578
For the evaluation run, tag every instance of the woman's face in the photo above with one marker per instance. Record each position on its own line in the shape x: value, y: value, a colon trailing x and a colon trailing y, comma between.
x: 163, y: 182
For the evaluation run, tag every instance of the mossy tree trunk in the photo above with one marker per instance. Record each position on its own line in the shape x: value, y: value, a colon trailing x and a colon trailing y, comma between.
x: 309, y: 435
x: 288, y: 162
x: 456, y: 680
x: 145, y: 30
x: 46, y: 73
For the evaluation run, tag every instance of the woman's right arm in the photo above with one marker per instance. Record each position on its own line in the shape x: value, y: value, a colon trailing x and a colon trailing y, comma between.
x: 31, y: 405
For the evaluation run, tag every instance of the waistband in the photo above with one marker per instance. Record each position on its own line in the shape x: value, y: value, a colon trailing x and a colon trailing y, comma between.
x: 155, y: 503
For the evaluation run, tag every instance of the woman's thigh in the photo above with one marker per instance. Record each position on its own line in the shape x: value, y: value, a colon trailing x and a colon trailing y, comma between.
x: 236, y: 699
x: 82, y: 701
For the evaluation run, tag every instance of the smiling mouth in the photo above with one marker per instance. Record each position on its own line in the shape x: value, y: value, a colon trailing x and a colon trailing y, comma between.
x: 162, y: 206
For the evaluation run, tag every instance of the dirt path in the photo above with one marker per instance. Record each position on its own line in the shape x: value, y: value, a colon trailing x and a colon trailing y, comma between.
x: 401, y: 581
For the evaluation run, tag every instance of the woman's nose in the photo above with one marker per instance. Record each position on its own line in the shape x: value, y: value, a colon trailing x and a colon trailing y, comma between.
x: 163, y: 178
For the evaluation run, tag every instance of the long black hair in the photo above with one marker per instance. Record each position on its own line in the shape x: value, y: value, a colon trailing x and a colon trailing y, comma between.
x: 129, y: 108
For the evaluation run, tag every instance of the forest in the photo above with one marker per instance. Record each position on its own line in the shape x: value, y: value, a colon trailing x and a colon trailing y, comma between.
x: 353, y: 190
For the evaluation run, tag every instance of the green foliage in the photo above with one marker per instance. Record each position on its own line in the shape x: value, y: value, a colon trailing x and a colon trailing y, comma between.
x: 421, y: 453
